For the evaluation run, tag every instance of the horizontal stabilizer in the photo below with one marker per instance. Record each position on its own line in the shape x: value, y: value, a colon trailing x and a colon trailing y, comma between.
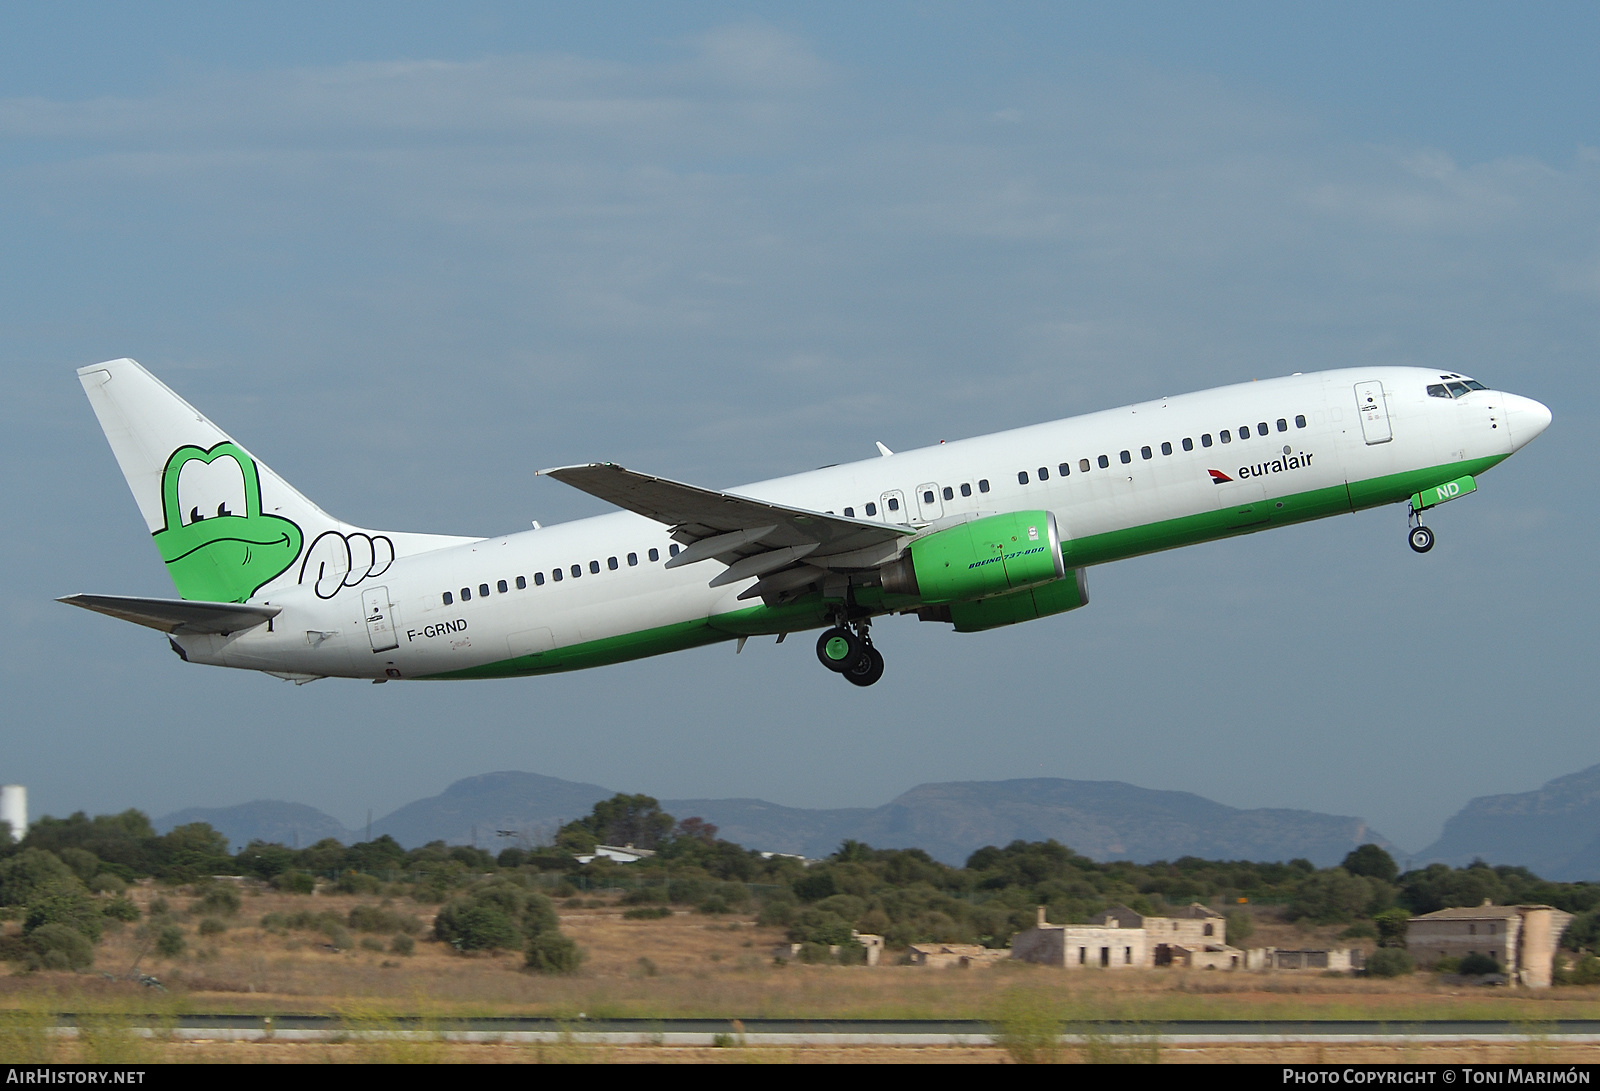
x: 177, y: 615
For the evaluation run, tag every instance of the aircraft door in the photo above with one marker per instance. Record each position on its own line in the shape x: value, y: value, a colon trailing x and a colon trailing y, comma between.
x: 893, y: 504
x: 379, y: 613
x: 929, y: 506
x: 1374, y: 413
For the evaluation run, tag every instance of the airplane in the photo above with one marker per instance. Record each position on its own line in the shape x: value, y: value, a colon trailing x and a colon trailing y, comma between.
x: 976, y: 533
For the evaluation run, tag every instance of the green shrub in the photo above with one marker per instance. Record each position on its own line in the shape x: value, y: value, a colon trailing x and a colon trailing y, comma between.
x: 382, y: 918
x: 356, y: 882
x: 371, y: 943
x: 1449, y: 964
x: 549, y: 952
x: 294, y: 881
x: 1360, y: 930
x: 713, y: 906
x: 1585, y: 971
x: 120, y: 908
x: 107, y: 883
x: 1476, y: 964
x: 59, y: 947
x: 402, y: 944
x: 646, y: 913
x: 476, y: 928
x: 64, y: 903
x: 338, y: 938
x: 815, y: 953
x: 170, y: 942
x: 212, y: 926
x: 1389, y: 962
x: 159, y: 907
x: 1240, y: 927
x: 219, y: 901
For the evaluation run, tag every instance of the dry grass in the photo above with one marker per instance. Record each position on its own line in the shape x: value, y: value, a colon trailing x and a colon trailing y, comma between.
x: 692, y: 965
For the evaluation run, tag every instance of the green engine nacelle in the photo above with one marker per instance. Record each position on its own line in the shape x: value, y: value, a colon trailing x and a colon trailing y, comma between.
x: 979, y: 560
x: 1050, y: 598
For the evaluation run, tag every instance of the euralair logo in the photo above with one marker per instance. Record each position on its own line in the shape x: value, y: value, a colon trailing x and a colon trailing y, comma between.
x: 1295, y: 461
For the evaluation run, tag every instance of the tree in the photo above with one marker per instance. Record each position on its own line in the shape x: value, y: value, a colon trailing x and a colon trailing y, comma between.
x: 28, y: 871
x: 1371, y: 861
x: 1392, y: 925
x: 636, y: 820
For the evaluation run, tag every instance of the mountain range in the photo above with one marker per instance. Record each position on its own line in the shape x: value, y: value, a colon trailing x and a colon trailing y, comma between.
x: 1553, y: 831
x: 1105, y: 820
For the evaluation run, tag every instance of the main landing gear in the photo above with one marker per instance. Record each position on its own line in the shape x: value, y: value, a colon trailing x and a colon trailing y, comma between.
x: 851, y: 653
x: 1420, y: 537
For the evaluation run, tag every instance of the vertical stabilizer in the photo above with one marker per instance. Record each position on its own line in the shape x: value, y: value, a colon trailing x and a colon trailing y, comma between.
x: 227, y: 527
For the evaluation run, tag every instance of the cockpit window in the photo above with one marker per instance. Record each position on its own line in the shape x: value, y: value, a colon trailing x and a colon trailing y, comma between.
x: 1458, y: 389
x: 1474, y: 384
x: 1437, y: 390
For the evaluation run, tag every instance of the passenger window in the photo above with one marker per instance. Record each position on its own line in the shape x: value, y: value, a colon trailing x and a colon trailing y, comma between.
x: 1223, y: 435
x: 483, y: 590
x: 522, y: 583
x: 577, y: 571
x: 966, y: 490
x: 448, y: 598
x: 633, y: 560
x: 594, y: 568
x: 894, y: 504
x: 654, y: 554
x: 983, y: 484
x: 1283, y: 425
x: 1145, y: 452
x: 872, y: 509
x: 927, y: 496
x: 672, y: 549
x: 1188, y: 444
x: 1205, y: 439
x: 502, y: 587
x: 556, y: 575
x: 1083, y: 465
x: 1166, y: 448
x: 949, y: 493
x: 1244, y: 431
x: 1126, y: 457
x: 1262, y: 429
x: 611, y: 563
x: 1022, y: 477
x: 1300, y: 421
x: 1044, y: 473
x: 538, y: 579
x: 1104, y: 461
x: 466, y: 594
x: 1064, y: 469
x: 850, y: 513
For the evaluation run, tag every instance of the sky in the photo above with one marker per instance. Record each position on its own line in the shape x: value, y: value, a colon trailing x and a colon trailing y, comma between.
x: 408, y: 254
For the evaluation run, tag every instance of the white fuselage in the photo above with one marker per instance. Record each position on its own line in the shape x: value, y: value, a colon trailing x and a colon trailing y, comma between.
x: 1316, y: 439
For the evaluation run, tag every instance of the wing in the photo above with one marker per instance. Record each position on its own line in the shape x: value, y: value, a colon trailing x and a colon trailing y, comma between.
x: 789, y: 548
x: 177, y: 615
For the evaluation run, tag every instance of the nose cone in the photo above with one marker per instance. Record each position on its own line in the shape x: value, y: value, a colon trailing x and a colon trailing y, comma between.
x: 1525, y: 419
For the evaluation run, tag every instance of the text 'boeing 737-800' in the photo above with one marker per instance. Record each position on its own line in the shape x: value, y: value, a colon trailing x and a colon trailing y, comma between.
x: 975, y: 533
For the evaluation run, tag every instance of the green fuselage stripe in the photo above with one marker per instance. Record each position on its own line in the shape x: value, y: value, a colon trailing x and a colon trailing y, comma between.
x: 812, y: 611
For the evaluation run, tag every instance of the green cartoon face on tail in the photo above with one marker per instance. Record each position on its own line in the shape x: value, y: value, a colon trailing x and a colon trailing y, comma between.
x: 218, y: 545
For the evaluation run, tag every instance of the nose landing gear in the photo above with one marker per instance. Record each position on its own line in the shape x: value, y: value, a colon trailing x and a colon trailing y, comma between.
x: 1419, y: 536
x: 851, y: 653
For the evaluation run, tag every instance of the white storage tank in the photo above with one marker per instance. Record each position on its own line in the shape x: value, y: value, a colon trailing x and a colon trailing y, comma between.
x: 14, y: 809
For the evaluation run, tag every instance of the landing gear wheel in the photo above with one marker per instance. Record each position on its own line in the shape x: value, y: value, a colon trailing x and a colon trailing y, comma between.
x: 867, y: 669
x: 839, y: 649
x: 1421, y: 539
